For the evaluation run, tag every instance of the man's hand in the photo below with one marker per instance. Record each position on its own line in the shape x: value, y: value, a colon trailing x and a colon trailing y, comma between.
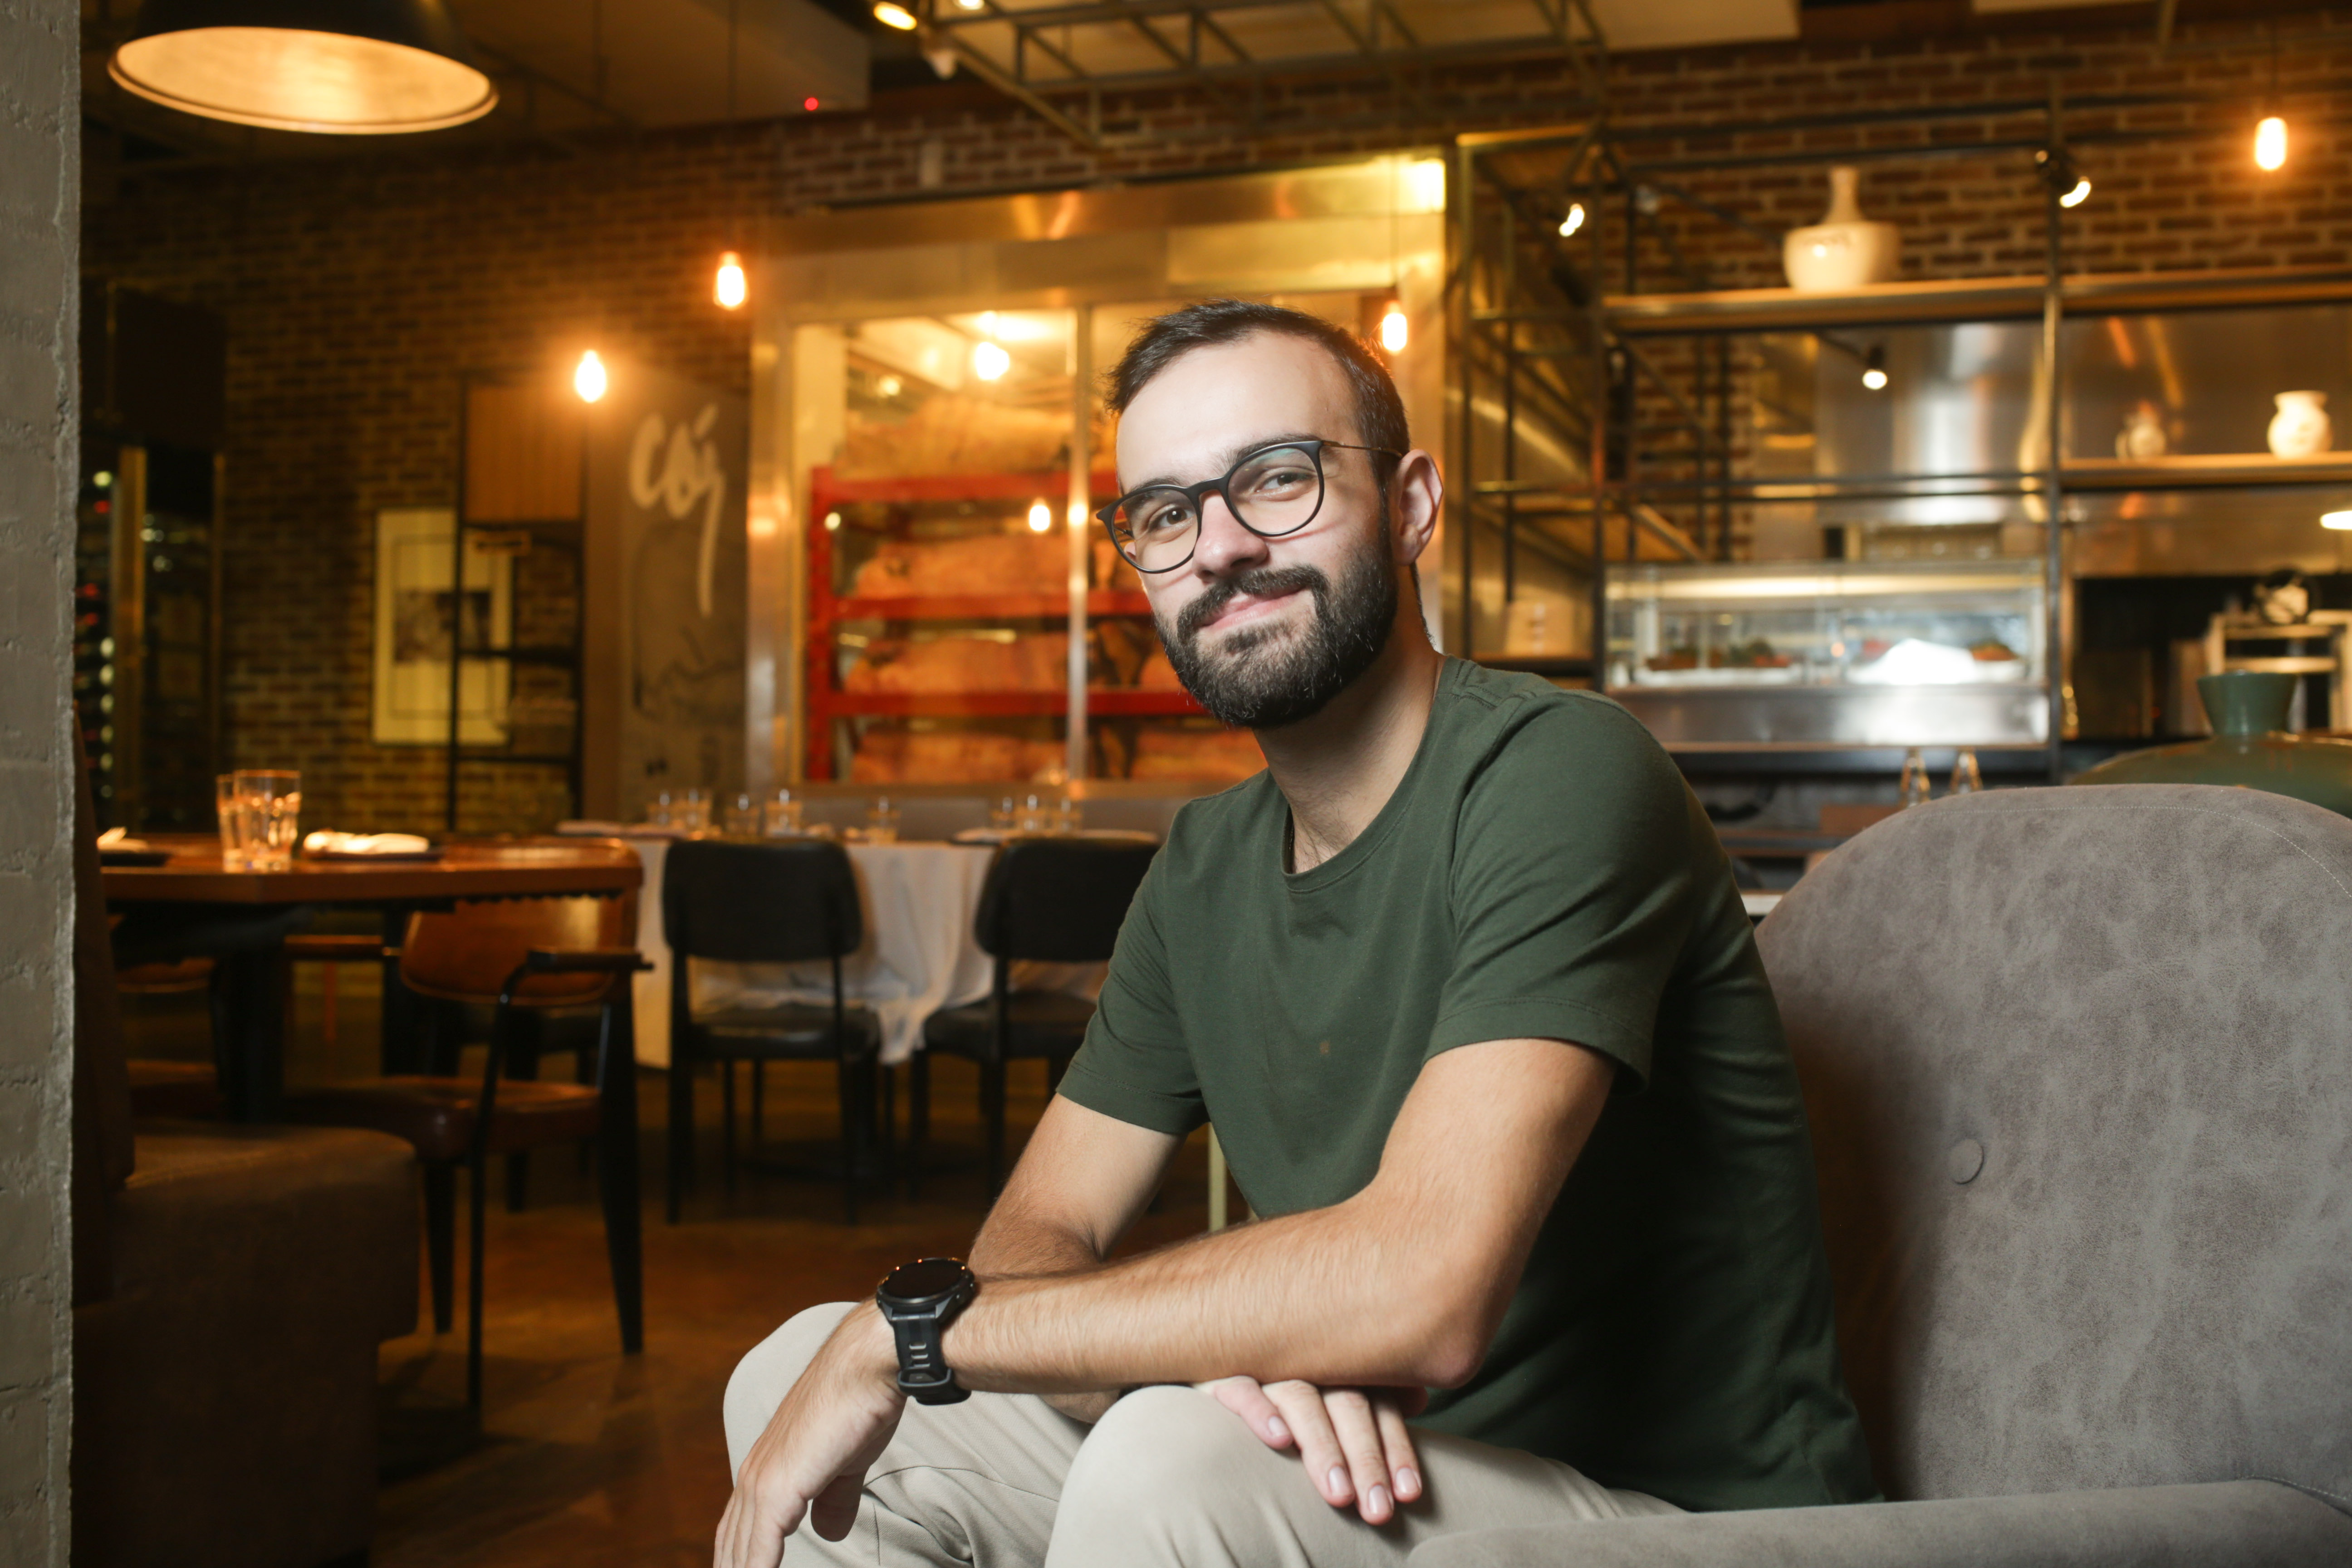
x: 813, y: 1459
x: 1354, y: 1441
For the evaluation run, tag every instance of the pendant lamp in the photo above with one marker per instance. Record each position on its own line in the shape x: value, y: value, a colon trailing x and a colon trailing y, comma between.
x: 354, y: 67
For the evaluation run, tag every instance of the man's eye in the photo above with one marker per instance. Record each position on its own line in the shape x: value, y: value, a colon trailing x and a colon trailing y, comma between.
x: 1161, y: 517
x: 1283, y: 482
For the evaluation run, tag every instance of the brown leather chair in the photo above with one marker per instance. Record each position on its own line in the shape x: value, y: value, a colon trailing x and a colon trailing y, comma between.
x: 231, y: 1287
x: 513, y: 954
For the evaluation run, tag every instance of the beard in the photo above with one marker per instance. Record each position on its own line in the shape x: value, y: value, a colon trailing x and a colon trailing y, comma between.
x: 1258, y: 681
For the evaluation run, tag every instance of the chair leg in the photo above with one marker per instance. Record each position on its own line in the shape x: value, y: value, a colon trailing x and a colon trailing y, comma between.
x: 523, y: 1046
x: 991, y: 1106
x: 681, y: 1127
x: 918, y: 1118
x: 477, y: 1214
x: 441, y: 1240
x: 846, y: 1082
x: 727, y: 1123
x: 616, y: 1169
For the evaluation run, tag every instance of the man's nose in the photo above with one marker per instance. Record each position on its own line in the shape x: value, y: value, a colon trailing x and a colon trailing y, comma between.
x: 1224, y: 546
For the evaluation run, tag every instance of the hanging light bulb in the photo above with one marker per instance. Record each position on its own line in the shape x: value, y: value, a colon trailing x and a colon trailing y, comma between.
x: 2061, y: 174
x: 590, y: 381
x: 1873, y: 369
x: 730, y: 290
x: 1041, y: 518
x: 2270, y: 144
x: 990, y: 361
x: 1395, y: 329
x: 897, y: 16
x: 1573, y: 221
x: 2080, y: 193
x: 2339, y: 520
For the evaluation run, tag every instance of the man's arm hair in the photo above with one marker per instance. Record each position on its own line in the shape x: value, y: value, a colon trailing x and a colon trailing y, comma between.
x: 1403, y: 1284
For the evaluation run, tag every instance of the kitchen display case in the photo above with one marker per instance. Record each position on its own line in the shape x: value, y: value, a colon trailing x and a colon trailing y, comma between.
x: 1848, y: 653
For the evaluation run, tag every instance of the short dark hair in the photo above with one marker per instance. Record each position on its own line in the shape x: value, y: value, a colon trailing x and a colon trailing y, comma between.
x: 1380, y: 411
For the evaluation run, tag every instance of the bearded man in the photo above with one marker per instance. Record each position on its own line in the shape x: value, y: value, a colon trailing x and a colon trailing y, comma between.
x: 1464, y: 983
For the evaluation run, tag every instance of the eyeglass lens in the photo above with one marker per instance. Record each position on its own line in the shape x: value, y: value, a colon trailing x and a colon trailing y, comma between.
x: 1272, y: 492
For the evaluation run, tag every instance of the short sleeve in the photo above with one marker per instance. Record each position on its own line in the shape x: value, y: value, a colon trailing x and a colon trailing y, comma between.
x: 1575, y: 877
x: 1134, y: 1066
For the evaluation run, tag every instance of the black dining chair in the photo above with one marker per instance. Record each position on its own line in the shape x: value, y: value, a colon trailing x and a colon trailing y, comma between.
x: 1055, y: 900
x: 793, y: 901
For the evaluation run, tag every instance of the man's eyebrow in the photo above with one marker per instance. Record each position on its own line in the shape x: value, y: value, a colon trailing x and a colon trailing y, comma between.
x: 1227, y: 458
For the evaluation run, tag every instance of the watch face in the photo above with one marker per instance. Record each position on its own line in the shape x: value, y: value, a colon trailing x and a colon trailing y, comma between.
x: 924, y: 1278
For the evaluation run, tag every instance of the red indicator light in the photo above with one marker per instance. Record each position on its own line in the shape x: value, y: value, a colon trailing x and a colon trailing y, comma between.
x: 102, y: 507
x: 809, y: 104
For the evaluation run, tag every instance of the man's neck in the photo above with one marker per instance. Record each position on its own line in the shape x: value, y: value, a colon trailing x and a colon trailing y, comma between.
x: 1338, y: 768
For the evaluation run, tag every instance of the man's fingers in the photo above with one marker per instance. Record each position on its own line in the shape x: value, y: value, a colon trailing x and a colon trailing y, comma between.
x: 1396, y: 1438
x: 1244, y: 1398
x: 1302, y: 1407
x: 1359, y: 1435
x: 835, y: 1512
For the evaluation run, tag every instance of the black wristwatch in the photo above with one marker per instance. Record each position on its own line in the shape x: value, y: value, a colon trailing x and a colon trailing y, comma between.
x: 921, y: 1299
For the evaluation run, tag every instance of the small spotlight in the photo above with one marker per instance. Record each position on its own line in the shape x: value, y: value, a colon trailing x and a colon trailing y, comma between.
x: 990, y: 361
x: 2339, y: 520
x: 1873, y: 369
x: 898, y: 16
x: 1573, y: 221
x: 1041, y: 518
x: 2080, y: 193
x: 589, y: 380
x: 833, y: 522
x: 2270, y: 144
x: 1394, y: 330
x: 2060, y: 173
x: 731, y: 290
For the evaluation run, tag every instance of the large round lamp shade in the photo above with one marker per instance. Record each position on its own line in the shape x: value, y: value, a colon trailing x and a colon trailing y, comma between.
x: 343, y: 66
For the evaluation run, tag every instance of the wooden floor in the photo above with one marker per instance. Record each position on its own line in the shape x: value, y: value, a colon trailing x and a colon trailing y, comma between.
x: 588, y: 1457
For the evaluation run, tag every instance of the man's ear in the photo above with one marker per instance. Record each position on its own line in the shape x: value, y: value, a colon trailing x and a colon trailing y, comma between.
x: 1417, y: 497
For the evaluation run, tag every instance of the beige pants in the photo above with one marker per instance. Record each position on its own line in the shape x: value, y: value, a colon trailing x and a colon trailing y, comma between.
x: 1168, y: 1476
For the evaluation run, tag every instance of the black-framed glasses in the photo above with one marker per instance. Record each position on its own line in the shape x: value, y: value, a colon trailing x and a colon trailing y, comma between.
x: 1275, y: 491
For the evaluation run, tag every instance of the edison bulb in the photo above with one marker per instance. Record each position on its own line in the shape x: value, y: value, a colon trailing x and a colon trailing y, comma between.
x: 1041, y: 518
x: 2270, y: 144
x: 897, y: 16
x: 2078, y: 195
x: 833, y: 522
x: 2339, y: 520
x: 1394, y: 330
x: 730, y: 290
x: 590, y: 381
x: 990, y: 361
x: 1573, y: 221
x: 1875, y: 379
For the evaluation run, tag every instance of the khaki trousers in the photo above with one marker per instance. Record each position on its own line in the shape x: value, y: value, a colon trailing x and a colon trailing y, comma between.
x: 1168, y: 1476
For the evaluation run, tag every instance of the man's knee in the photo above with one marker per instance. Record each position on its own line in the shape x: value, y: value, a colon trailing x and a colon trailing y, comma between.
x: 1164, y: 1453
x: 767, y: 1373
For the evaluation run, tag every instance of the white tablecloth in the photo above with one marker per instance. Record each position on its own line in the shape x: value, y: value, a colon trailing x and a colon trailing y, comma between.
x: 918, y: 955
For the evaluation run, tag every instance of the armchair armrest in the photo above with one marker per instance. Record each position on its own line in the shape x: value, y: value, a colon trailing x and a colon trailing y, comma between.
x: 2225, y: 1524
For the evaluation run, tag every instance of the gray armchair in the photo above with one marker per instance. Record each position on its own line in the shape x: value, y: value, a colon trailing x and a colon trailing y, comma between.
x: 2079, y: 1068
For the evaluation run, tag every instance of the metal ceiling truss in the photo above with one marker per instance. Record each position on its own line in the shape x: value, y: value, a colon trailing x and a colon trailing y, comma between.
x: 1195, y: 42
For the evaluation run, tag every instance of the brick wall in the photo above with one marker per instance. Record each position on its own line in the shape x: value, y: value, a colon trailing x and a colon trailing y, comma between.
x: 39, y: 191
x: 357, y: 290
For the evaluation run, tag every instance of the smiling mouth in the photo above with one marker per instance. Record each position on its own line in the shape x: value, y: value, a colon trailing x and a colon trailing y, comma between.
x: 1244, y: 608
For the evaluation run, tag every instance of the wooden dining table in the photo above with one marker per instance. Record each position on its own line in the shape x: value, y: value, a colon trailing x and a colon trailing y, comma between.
x: 193, y: 881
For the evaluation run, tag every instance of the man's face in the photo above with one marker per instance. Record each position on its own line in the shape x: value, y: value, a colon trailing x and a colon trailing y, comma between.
x: 1264, y: 632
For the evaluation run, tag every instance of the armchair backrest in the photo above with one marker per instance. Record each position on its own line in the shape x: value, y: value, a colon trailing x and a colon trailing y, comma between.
x: 2078, y: 1064
x: 1059, y: 899
x: 780, y: 903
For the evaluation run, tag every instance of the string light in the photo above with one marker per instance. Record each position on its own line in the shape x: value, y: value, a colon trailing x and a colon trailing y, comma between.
x: 730, y: 290
x: 1041, y: 518
x: 990, y: 361
x: 1395, y: 329
x: 590, y: 381
x: 897, y: 16
x: 2270, y: 144
x: 1573, y: 221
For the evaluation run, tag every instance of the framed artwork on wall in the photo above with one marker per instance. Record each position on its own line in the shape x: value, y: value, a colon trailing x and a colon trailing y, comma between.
x: 415, y: 612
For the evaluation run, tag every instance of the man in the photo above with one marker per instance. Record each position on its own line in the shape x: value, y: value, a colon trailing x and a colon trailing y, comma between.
x: 1465, y: 984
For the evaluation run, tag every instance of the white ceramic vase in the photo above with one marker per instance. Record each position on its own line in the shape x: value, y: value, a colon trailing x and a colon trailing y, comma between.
x: 1844, y: 250
x: 2301, y: 428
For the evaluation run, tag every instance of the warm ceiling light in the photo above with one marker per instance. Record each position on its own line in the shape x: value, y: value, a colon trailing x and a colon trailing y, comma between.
x: 972, y: 4
x: 1394, y: 330
x: 2339, y: 520
x: 590, y: 380
x: 1573, y: 221
x: 2270, y: 144
x: 1874, y: 370
x: 990, y: 361
x: 1041, y: 518
x: 730, y: 290
x: 897, y: 16
x: 305, y: 65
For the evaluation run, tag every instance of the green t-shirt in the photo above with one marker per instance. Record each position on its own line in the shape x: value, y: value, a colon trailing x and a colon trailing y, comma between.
x: 1542, y: 871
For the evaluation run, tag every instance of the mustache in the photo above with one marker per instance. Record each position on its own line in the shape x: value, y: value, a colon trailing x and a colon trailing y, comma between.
x: 1264, y: 583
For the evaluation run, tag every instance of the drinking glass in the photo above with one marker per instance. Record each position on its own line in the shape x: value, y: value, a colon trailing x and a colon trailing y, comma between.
x: 882, y: 821
x: 1915, y: 778
x: 780, y: 818
x: 743, y: 817
x: 231, y: 811
x: 693, y: 811
x: 270, y: 802
x: 662, y: 810
x: 1002, y: 815
x: 1032, y: 817
x: 1069, y: 816
x: 1967, y: 777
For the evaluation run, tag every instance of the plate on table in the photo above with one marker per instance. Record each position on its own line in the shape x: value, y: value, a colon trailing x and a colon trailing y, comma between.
x: 369, y: 857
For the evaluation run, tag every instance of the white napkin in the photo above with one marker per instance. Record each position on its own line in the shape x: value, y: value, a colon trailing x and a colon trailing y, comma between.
x: 117, y: 838
x: 328, y: 843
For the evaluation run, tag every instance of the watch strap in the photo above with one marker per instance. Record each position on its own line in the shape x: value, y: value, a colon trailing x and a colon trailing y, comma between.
x: 924, y: 1376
